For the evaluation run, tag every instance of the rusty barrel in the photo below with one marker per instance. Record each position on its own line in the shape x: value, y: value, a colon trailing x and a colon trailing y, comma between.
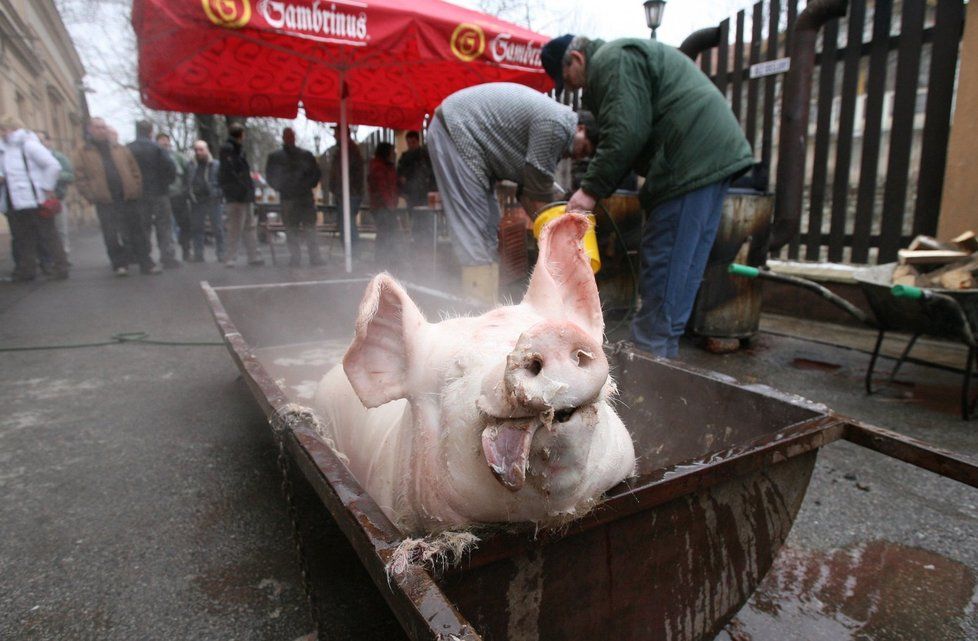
x: 728, y: 306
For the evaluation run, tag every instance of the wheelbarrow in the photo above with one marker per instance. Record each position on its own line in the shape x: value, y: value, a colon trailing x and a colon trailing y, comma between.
x: 672, y: 553
x: 939, y: 313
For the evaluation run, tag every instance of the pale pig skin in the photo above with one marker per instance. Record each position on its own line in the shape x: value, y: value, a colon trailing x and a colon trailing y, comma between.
x: 501, y: 417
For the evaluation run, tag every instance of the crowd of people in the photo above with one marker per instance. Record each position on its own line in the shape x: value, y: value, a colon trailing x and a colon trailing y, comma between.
x: 147, y: 192
x: 648, y: 101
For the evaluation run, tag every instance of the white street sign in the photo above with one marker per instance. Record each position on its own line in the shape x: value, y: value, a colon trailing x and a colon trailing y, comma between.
x: 770, y: 68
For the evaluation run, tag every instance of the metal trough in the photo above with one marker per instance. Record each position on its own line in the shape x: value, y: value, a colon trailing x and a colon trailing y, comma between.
x: 672, y: 554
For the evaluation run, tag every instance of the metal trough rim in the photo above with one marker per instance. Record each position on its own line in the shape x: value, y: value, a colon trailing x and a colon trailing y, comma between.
x: 417, y: 601
x: 413, y: 596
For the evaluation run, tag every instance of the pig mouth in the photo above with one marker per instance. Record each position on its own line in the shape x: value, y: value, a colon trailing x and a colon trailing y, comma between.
x: 506, y: 443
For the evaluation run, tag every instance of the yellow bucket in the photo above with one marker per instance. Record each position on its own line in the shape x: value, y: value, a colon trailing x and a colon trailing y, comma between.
x: 552, y: 211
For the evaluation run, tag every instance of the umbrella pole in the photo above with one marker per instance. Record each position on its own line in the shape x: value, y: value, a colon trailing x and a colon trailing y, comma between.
x: 345, y: 173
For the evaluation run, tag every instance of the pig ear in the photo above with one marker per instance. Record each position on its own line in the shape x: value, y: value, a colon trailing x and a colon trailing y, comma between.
x: 378, y: 361
x: 562, y: 285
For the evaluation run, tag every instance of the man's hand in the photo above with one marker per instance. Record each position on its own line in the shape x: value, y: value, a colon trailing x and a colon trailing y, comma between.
x: 532, y: 207
x: 581, y: 201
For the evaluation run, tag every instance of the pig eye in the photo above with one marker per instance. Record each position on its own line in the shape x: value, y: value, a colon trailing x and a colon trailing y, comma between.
x: 583, y: 358
x: 535, y: 366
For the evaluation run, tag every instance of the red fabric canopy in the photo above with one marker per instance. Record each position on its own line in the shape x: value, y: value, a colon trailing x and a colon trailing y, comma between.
x: 263, y: 57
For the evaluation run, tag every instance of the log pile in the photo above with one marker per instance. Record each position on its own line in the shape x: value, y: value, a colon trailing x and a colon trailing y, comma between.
x: 927, y: 262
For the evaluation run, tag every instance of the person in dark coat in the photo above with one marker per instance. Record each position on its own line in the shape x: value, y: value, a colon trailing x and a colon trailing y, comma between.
x: 107, y: 175
x: 239, y: 196
x: 356, y: 183
x: 204, y: 193
x: 383, y: 188
x: 414, y: 172
x: 662, y: 117
x: 158, y: 172
x: 179, y: 202
x: 294, y: 173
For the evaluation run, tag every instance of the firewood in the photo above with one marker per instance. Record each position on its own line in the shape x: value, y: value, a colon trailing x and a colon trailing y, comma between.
x: 960, y: 275
x: 929, y: 242
x: 929, y: 256
x: 966, y: 242
x: 905, y: 275
x: 957, y: 279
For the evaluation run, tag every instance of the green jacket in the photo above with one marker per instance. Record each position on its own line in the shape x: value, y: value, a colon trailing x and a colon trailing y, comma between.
x: 181, y: 183
x: 660, y: 116
x: 66, y: 177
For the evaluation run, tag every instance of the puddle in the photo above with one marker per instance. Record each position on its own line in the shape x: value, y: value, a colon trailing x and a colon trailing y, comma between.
x: 811, y: 363
x: 936, y: 397
x: 299, y: 368
x: 876, y: 591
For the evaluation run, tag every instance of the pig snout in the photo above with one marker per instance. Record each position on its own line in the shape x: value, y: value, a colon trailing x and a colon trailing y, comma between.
x: 555, y: 366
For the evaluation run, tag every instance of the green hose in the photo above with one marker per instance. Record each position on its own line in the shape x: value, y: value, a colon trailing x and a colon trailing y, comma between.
x: 907, y: 291
x: 746, y: 271
x: 116, y: 339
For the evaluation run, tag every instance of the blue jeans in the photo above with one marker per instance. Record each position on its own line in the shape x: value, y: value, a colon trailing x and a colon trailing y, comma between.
x: 199, y: 213
x: 676, y: 244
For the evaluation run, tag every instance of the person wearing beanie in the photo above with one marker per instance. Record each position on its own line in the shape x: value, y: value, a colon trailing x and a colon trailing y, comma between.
x: 660, y: 116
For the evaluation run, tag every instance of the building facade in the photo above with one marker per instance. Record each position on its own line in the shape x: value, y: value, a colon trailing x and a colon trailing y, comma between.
x: 41, y: 77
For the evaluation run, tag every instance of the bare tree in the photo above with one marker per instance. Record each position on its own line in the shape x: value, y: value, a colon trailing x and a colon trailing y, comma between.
x: 103, y: 35
x: 525, y: 13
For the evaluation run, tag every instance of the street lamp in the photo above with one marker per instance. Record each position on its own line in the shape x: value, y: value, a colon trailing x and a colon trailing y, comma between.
x: 653, y: 14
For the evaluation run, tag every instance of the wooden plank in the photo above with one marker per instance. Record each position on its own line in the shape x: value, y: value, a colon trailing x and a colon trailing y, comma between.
x: 823, y: 136
x: 893, y: 43
x: 929, y: 256
x: 966, y: 241
x: 910, y: 450
x: 792, y: 9
x: 901, y: 131
x: 948, y: 26
x: 750, y: 125
x: 872, y: 128
x: 723, y: 60
x: 847, y: 115
x: 738, y: 68
x: 767, y: 139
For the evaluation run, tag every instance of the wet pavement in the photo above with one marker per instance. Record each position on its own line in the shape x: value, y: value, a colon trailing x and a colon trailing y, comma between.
x: 880, y: 550
x: 140, y: 495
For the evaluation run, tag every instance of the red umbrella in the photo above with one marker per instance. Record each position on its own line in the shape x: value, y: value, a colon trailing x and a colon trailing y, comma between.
x: 262, y: 57
x: 373, y: 62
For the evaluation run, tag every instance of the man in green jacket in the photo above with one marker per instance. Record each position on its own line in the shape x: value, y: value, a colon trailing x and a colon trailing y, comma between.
x: 662, y: 117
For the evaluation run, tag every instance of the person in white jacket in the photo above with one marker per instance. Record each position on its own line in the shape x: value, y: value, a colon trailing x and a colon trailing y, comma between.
x: 30, y: 174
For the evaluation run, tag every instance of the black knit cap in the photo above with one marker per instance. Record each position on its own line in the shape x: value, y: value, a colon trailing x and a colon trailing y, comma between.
x: 552, y: 58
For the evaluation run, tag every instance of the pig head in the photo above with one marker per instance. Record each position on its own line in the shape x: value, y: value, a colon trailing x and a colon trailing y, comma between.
x: 500, y: 417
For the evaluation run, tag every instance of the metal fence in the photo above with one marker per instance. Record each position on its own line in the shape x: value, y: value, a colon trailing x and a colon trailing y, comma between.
x: 880, y: 117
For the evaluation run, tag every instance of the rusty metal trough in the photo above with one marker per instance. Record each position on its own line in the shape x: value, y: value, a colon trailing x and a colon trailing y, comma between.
x: 672, y: 554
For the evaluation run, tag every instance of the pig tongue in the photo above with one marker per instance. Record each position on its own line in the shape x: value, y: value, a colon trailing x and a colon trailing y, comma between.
x: 507, y: 450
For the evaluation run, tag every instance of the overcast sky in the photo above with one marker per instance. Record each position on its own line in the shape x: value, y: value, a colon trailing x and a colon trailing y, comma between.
x: 99, y: 32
